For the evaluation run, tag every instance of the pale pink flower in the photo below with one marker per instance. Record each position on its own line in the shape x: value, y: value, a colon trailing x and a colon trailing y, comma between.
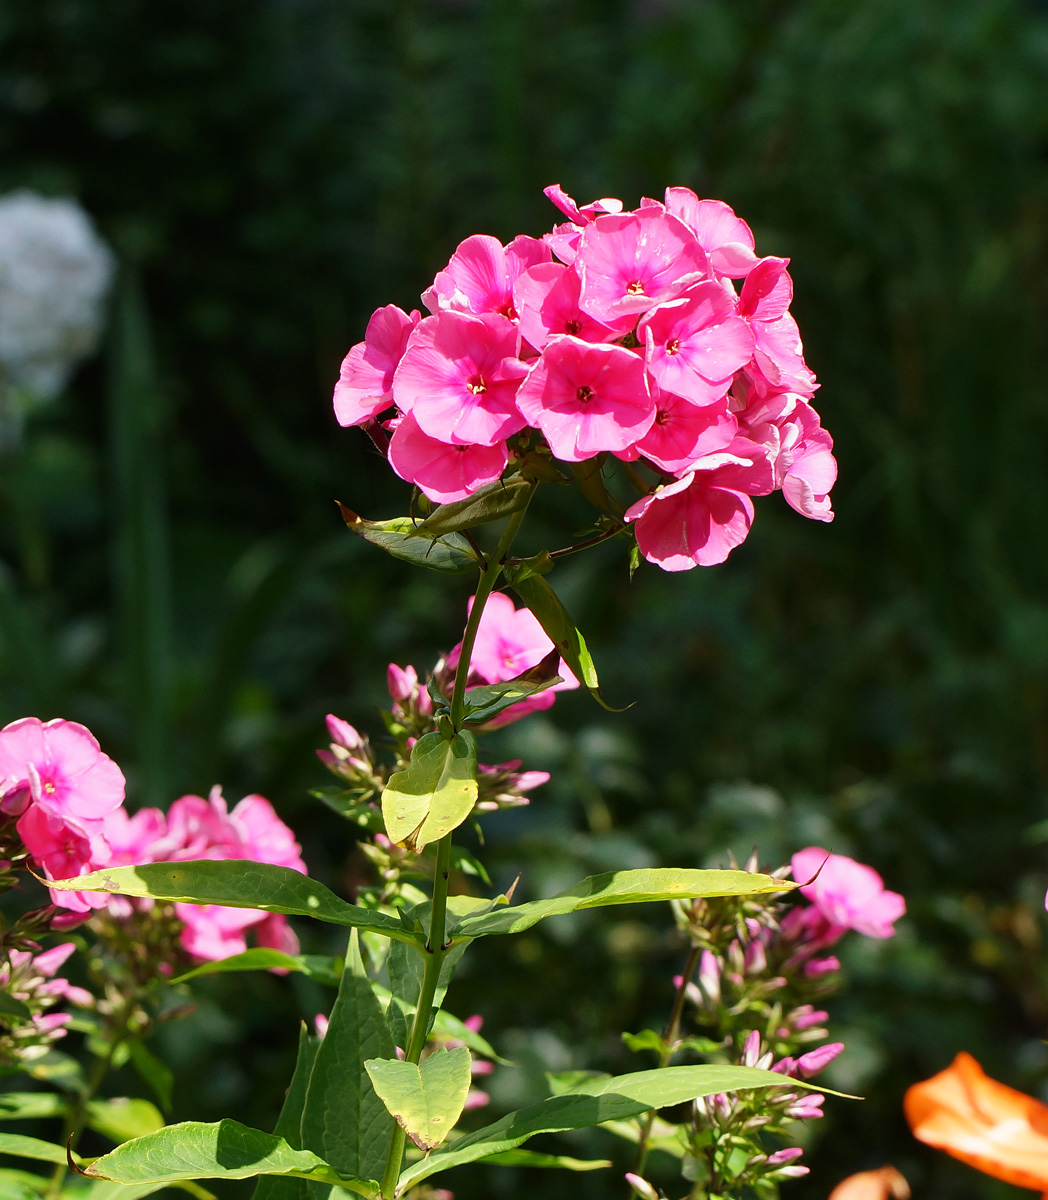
x: 547, y: 301
x: 848, y: 893
x: 480, y: 276
x: 443, y: 472
x: 459, y: 376
x: 263, y: 835
x: 138, y: 839
x: 694, y: 345
x: 726, y: 238
x: 586, y: 398
x: 700, y: 518
x: 630, y: 262
x: 365, y: 383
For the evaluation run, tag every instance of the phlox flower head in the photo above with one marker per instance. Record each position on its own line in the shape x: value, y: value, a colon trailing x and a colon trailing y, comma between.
x: 848, y: 893
x: 481, y: 274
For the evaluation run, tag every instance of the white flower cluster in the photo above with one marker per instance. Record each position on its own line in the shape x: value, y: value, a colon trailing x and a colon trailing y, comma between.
x: 55, y: 272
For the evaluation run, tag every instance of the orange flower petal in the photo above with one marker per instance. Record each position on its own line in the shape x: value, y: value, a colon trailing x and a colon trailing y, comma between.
x: 883, y: 1184
x: 994, y: 1128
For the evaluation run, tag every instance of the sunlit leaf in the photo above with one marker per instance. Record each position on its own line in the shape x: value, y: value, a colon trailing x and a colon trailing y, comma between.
x: 320, y: 967
x: 434, y: 793
x: 489, y: 503
x: 426, y: 1098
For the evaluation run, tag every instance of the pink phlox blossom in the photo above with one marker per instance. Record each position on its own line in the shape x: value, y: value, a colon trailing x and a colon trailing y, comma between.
x: 441, y: 471
x: 630, y: 262
x: 547, y: 301
x: 199, y: 829
x: 584, y: 214
x: 343, y: 734
x: 510, y: 641
x: 64, y: 851
x: 586, y: 398
x: 365, y: 382
x: 849, y: 893
x: 694, y: 345
x: 683, y: 432
x: 138, y: 839
x: 459, y: 376
x: 768, y: 291
x: 726, y: 238
x: 263, y: 835
x: 700, y: 518
x: 480, y: 276
x: 802, y: 450
x: 405, y: 687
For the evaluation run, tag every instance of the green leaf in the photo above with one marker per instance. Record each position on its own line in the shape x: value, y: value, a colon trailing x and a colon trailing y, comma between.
x: 435, y: 793
x: 523, y: 568
x: 590, y: 479
x: 21, y: 1185
x: 289, y: 1123
x: 316, y: 966
x: 532, y: 1158
x: 623, y: 887
x: 490, y: 503
x: 122, y: 1119
x: 19, y: 1146
x: 103, y: 1189
x: 223, y: 1150
x: 613, y: 1098
x: 10, y: 1007
x: 648, y: 1039
x: 399, y: 537
x: 426, y: 1098
x: 489, y: 699
x: 154, y: 1072
x: 342, y: 1118
x: 23, y: 1106
x: 236, y: 883
x: 560, y: 629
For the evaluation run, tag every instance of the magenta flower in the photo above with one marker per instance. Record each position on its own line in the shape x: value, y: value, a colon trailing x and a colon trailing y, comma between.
x: 443, y: 472
x: 802, y: 450
x: 547, y: 301
x: 700, y: 518
x: 63, y: 850
x: 726, y: 238
x: 693, y: 346
x: 848, y: 893
x: 580, y: 216
x: 630, y: 262
x: 586, y: 398
x: 459, y: 376
x: 480, y: 276
x: 365, y: 381
x: 778, y: 356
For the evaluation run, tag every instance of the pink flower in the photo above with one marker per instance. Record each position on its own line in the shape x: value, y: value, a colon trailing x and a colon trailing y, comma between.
x: 263, y: 835
x: 683, y: 432
x: 805, y: 468
x: 480, y: 276
x: 459, y: 376
x: 547, y: 300
x: 64, y: 851
x: 630, y: 262
x: 586, y: 398
x: 365, y: 383
x: 701, y: 517
x: 60, y: 767
x: 726, y: 238
x: 509, y: 641
x: 441, y: 471
x: 778, y: 356
x: 849, y: 893
x: 580, y: 216
x: 694, y: 345
x: 138, y: 839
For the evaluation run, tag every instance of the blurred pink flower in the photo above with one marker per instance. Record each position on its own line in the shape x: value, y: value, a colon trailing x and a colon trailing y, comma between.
x: 848, y: 893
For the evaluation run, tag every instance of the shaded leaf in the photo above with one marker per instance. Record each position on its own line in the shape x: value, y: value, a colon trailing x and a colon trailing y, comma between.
x: 342, y: 1118
x: 289, y: 1123
x: 434, y: 793
x: 223, y: 1150
x: 317, y: 966
x: 236, y: 883
x: 154, y: 1072
x: 24, y: 1106
x: 399, y: 537
x: 489, y: 503
x: 122, y: 1119
x: 487, y: 700
x: 523, y: 568
x: 12, y: 1007
x: 426, y: 1098
x: 532, y: 1158
x: 623, y: 887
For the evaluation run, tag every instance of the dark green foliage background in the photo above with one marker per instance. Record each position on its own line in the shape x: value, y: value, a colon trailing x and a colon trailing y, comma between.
x: 272, y: 171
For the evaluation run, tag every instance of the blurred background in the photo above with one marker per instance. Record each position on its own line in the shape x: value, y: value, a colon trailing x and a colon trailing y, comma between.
x: 176, y: 576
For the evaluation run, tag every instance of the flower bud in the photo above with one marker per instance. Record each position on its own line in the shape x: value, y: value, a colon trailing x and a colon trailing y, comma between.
x: 641, y: 1187
x: 815, y: 1060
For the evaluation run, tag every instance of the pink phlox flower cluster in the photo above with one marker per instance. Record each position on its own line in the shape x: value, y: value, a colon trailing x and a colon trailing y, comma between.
x: 846, y: 893
x: 510, y: 641
x: 503, y: 786
x: 196, y: 828
x: 55, y: 779
x: 30, y: 978
x: 656, y: 335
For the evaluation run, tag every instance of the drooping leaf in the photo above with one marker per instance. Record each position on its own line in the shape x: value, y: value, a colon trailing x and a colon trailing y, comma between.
x: 20, y: 1146
x: 532, y: 1158
x: 236, y: 883
x: 623, y: 887
x: 489, y: 503
x: 31, y: 1106
x: 222, y: 1150
x: 400, y: 537
x: 613, y: 1098
x: 122, y: 1119
x: 426, y: 1098
x: 320, y: 967
x: 434, y: 793
x: 342, y: 1119
x: 289, y: 1123
x: 560, y: 629
x: 487, y: 700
